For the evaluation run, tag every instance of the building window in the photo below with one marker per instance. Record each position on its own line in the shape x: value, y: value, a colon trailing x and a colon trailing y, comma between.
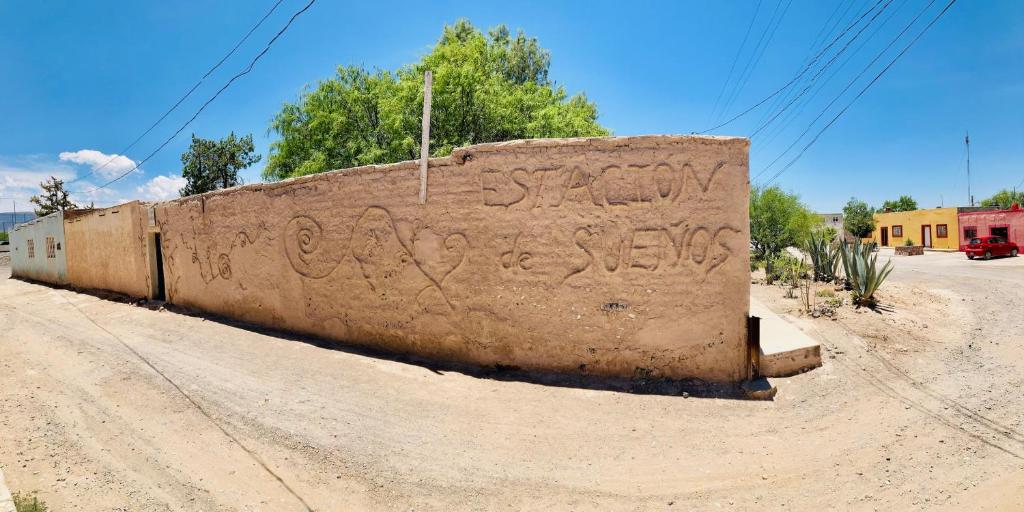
x: 970, y: 232
x: 31, y: 248
x: 941, y: 230
x: 51, y: 247
x: 1000, y: 231
x: 835, y: 220
x: 897, y: 231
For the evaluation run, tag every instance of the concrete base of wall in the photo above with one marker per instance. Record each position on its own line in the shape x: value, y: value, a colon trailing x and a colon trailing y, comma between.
x: 785, y: 349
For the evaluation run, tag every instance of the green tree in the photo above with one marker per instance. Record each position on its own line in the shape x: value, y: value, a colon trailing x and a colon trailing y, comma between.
x: 778, y: 220
x: 1004, y: 199
x: 486, y: 88
x: 4, y: 237
x: 211, y: 164
x: 903, y: 204
x: 858, y: 218
x: 54, y: 198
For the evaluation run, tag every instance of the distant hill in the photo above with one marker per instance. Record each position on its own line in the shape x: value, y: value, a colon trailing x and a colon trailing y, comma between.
x: 9, y: 219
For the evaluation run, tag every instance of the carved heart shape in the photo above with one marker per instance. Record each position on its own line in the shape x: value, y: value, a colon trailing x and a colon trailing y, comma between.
x: 438, y: 256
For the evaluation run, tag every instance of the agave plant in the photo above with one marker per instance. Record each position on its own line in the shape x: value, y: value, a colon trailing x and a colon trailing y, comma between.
x: 863, y: 275
x: 824, y: 256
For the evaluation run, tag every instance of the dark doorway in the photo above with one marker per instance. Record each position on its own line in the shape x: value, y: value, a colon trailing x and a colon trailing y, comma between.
x: 1003, y: 232
x: 158, y: 292
x: 885, y: 237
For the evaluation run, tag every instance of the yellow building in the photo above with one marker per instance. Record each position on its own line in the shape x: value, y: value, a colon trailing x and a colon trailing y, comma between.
x: 932, y: 227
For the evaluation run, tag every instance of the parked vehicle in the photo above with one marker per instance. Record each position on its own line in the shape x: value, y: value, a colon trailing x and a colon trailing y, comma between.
x: 988, y: 246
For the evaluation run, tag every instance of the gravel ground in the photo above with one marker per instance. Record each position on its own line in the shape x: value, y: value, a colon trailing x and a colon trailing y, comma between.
x: 914, y: 409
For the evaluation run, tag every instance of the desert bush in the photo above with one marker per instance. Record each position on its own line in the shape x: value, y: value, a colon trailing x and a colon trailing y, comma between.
x: 863, y: 276
x: 825, y: 292
x: 824, y: 256
x: 28, y: 503
x: 781, y: 266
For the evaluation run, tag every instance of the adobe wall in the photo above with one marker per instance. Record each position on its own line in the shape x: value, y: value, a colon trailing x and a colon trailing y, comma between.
x: 616, y: 256
x: 107, y: 249
x: 38, y: 250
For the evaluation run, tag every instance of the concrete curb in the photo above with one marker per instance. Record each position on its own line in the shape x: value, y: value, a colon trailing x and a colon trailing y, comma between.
x: 6, y: 501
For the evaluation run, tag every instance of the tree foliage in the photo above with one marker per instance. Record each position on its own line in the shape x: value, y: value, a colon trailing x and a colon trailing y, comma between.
x: 778, y: 220
x: 903, y: 204
x: 1004, y: 199
x: 858, y: 218
x: 214, y: 164
x: 486, y: 88
x: 53, y: 199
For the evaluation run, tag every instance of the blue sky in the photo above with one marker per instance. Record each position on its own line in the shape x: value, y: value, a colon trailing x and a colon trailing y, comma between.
x: 79, y: 81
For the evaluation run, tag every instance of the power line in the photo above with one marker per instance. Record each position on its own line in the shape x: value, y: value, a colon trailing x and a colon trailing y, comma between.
x: 795, y: 78
x: 755, y: 56
x: 822, y: 36
x: 795, y: 114
x: 861, y: 93
x: 736, y: 58
x: 187, y: 94
x: 823, y: 69
x: 848, y: 86
x: 203, y: 107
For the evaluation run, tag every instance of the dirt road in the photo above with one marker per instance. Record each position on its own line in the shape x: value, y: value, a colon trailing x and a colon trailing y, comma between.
x: 917, y: 409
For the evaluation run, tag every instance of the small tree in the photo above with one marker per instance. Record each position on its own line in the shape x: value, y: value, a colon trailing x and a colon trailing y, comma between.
x: 903, y: 204
x: 4, y: 237
x: 54, y: 198
x: 210, y: 164
x: 858, y: 218
x: 1004, y: 199
x: 778, y: 220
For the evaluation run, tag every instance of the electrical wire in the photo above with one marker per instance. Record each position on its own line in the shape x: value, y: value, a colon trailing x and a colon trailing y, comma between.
x: 187, y: 94
x: 822, y: 70
x: 736, y: 59
x: 755, y: 56
x: 244, y: 72
x: 794, y: 79
x: 861, y: 93
x: 848, y: 86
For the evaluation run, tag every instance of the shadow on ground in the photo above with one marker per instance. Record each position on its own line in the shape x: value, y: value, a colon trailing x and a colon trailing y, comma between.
x: 640, y: 385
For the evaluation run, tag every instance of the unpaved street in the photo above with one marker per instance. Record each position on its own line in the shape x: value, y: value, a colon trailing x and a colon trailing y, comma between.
x: 919, y: 408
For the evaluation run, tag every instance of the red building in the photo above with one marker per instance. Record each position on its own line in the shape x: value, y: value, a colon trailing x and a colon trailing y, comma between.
x: 1008, y: 224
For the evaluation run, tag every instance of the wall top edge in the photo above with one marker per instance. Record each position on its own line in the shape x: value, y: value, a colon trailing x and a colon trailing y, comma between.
x: 460, y: 155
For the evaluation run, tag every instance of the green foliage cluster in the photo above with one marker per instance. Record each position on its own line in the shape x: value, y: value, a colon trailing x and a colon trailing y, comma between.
x: 909, y: 242
x: 858, y: 218
x: 863, y: 275
x: 54, y: 198
x: 4, y: 237
x: 824, y: 256
x: 778, y: 220
x: 903, y: 204
x: 486, y: 88
x: 1004, y: 199
x: 28, y: 503
x: 214, y: 164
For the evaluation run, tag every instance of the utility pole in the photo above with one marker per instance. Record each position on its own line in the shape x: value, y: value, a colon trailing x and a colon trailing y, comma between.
x: 967, y: 141
x: 428, y: 81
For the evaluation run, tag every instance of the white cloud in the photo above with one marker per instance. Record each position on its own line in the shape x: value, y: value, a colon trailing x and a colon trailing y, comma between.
x: 20, y: 178
x: 162, y: 187
x: 107, y: 166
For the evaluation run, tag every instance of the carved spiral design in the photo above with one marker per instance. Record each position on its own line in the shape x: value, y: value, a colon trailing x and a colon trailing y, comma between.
x: 224, y: 266
x: 304, y: 245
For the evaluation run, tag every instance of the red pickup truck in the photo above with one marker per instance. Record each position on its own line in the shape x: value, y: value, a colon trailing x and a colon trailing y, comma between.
x: 988, y: 246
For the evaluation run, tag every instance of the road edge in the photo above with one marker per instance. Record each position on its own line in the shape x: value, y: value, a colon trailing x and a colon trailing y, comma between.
x: 6, y: 500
